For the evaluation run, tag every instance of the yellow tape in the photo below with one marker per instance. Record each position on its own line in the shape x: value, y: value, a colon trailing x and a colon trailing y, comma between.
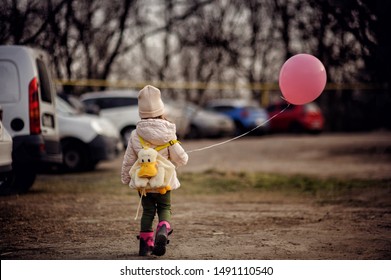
x: 201, y: 85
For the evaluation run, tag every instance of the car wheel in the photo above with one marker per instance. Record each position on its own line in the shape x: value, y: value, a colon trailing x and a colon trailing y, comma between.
x: 296, y: 128
x: 125, y: 134
x: 193, y: 132
x: 74, y: 157
x: 315, y: 131
x: 91, y: 165
x: 239, y: 128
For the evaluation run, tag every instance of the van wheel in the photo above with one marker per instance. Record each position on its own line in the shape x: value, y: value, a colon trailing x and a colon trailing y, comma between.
x: 24, y: 180
x: 74, y: 157
x: 17, y: 181
x: 6, y: 180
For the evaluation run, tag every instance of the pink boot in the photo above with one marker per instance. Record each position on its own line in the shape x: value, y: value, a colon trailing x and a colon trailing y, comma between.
x: 146, y: 243
x: 161, y: 238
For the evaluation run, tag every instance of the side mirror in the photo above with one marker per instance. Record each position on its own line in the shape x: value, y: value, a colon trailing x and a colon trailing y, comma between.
x: 92, y: 109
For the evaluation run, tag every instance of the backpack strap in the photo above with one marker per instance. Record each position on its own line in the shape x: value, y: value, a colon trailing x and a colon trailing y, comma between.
x: 168, y: 144
x: 144, y: 144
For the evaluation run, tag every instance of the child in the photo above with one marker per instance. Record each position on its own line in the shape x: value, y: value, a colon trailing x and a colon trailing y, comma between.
x: 154, y: 130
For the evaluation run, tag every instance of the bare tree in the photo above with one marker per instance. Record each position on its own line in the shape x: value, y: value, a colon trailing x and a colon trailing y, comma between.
x: 22, y: 21
x: 210, y: 38
x: 100, y: 28
x: 202, y: 40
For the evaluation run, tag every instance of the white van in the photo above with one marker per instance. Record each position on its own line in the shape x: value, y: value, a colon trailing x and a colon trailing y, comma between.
x: 27, y: 97
x: 5, y: 155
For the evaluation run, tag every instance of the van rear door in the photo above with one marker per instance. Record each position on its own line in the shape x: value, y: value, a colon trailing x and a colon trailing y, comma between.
x: 47, y: 109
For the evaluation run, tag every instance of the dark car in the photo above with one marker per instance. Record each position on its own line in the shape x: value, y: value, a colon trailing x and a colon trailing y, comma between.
x: 296, y: 118
x: 245, y: 114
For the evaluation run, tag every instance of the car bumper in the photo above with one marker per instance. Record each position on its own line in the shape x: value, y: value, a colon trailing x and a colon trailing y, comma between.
x: 262, y: 124
x: 5, y: 168
x: 5, y: 157
x: 105, y: 148
x: 313, y: 124
x: 222, y: 132
x: 34, y: 149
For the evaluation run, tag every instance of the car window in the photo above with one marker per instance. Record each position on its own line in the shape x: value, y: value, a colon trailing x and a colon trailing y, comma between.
x: 223, y: 108
x: 115, y: 102
x: 44, y: 82
x: 279, y: 107
x: 251, y: 108
x: 90, y: 102
x: 9, y: 82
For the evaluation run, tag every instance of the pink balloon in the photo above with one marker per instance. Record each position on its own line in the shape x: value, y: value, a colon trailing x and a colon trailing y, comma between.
x: 302, y: 79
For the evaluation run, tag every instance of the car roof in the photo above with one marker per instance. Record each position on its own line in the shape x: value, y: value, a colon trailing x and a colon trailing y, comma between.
x: 231, y: 102
x: 109, y: 93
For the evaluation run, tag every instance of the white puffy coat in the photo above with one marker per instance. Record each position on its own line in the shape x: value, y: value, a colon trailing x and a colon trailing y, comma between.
x: 156, y: 132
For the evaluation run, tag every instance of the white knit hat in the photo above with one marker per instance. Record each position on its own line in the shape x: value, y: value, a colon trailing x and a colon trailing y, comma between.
x: 150, y: 104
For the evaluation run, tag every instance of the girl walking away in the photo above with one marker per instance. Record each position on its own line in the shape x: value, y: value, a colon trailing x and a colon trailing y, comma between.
x: 153, y: 131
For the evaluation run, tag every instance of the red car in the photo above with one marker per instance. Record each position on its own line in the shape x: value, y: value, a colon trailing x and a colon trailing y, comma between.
x: 296, y: 118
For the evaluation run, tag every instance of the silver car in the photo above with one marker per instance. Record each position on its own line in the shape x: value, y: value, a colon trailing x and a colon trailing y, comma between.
x: 121, y: 108
x: 205, y: 123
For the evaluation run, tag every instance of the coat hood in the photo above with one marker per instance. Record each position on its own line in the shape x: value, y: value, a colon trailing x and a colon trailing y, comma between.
x: 156, y: 131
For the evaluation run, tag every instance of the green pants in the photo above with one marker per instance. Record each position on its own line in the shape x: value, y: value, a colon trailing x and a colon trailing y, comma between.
x: 152, y: 203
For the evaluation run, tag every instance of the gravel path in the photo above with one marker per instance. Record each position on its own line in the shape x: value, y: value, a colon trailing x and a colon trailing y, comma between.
x: 261, y: 225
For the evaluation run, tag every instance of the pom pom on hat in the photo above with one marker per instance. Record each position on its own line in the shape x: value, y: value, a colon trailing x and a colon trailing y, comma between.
x: 150, y: 104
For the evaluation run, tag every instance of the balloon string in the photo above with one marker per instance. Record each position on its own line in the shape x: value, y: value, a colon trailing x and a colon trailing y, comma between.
x: 142, y: 193
x: 239, y: 136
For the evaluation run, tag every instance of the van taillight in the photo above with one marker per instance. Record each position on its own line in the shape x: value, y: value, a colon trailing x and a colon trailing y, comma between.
x: 35, y: 124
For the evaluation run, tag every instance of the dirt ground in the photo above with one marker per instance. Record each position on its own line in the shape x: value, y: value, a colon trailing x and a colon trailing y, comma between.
x: 235, y: 225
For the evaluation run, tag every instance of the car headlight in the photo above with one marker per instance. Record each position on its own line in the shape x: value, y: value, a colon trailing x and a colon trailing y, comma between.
x: 97, y: 127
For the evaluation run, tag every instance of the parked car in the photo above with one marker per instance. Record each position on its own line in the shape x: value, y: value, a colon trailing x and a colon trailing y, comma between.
x: 296, y: 118
x: 5, y: 157
x: 121, y: 108
x: 74, y: 102
x: 246, y: 114
x: 176, y: 113
x: 85, y: 139
x: 28, y: 99
x: 205, y: 123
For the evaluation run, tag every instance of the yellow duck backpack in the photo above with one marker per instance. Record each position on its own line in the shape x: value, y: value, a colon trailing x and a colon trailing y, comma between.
x: 151, y: 172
